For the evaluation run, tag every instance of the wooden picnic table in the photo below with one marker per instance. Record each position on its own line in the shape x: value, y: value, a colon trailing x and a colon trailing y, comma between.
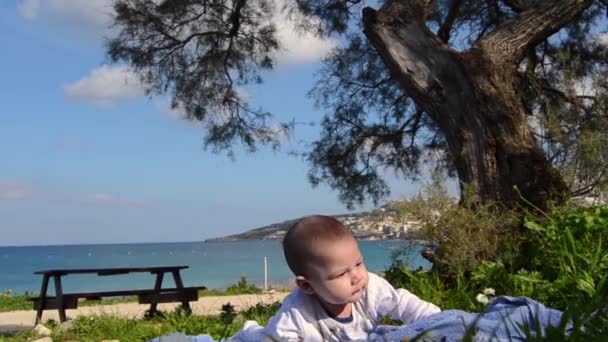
x: 152, y: 296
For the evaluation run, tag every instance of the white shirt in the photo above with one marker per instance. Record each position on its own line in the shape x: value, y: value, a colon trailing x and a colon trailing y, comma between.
x: 302, y: 318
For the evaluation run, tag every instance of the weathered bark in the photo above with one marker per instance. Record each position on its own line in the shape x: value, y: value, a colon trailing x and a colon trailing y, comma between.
x: 471, y: 95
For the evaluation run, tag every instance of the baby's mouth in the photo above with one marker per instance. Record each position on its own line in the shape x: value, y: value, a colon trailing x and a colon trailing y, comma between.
x: 357, y: 291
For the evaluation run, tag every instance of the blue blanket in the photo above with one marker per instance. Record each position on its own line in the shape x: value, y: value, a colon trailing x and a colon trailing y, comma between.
x: 503, y: 320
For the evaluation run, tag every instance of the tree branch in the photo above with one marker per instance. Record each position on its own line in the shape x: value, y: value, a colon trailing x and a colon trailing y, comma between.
x: 406, y: 45
x: 446, y: 27
x: 508, y: 44
x: 418, y: 10
x: 516, y: 6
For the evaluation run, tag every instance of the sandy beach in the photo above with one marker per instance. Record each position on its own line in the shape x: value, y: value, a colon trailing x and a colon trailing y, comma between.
x: 20, y: 320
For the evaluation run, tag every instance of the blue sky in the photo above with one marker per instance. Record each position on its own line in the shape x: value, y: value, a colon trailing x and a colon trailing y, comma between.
x: 86, y: 158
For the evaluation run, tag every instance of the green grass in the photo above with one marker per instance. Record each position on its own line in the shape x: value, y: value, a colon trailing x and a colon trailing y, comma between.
x: 12, y: 302
x: 96, y: 328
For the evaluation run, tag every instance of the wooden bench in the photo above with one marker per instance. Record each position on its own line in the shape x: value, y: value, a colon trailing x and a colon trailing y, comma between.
x: 63, y: 301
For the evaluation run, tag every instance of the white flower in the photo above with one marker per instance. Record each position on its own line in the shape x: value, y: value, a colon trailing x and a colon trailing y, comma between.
x: 481, y: 298
x: 489, y: 291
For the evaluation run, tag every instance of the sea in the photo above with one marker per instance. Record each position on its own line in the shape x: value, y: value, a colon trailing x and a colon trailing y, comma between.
x: 212, y: 264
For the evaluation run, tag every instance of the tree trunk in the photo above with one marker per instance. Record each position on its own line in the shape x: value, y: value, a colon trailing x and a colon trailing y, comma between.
x: 471, y: 95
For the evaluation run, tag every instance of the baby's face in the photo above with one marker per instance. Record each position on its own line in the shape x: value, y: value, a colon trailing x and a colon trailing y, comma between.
x: 339, y: 276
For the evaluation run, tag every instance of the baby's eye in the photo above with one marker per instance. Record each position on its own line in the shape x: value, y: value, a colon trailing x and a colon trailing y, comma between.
x: 359, y: 263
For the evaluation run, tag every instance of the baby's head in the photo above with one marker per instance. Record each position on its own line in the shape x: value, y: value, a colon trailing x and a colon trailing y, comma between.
x: 325, y: 258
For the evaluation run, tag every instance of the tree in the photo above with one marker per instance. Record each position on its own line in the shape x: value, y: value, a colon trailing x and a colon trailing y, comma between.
x: 488, y: 89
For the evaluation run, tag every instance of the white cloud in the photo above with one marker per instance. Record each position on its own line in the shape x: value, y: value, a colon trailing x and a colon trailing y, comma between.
x: 164, y: 106
x: 14, y: 190
x: 28, y: 8
x: 282, y: 134
x: 90, y: 18
x: 177, y: 113
x: 603, y: 39
x: 107, y: 199
x: 105, y: 85
x: 298, y: 47
x: 585, y: 87
x: 99, y: 198
x: 243, y: 94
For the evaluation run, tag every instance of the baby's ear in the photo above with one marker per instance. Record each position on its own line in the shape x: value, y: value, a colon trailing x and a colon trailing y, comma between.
x: 304, y: 285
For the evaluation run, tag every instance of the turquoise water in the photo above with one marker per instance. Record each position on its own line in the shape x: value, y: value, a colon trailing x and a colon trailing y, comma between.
x: 212, y: 264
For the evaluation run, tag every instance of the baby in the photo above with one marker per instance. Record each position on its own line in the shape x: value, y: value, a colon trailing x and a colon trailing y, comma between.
x: 336, y: 299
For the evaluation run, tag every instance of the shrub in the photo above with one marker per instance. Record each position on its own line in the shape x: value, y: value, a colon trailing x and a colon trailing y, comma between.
x: 243, y: 287
x: 461, y: 235
x: 10, y: 301
x: 563, y: 264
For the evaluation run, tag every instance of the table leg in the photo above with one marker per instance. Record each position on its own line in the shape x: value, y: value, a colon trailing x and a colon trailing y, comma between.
x: 59, y: 296
x: 45, y: 285
x: 157, y: 285
x: 180, y: 285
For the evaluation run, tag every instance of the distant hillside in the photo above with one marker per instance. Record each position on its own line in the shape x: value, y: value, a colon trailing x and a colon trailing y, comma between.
x: 379, y: 224
x: 271, y: 232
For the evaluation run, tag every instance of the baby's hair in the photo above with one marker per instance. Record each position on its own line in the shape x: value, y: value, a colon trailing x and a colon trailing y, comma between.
x: 304, y: 234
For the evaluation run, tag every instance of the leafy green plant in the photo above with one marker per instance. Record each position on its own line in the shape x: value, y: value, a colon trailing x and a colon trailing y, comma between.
x: 460, y: 235
x: 430, y: 286
x: 261, y: 312
x: 521, y: 283
x: 243, y: 287
x: 10, y: 301
x: 564, y: 261
x: 572, y: 251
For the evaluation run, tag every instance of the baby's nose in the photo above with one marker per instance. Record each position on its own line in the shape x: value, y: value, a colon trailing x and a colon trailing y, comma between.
x: 355, y: 277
